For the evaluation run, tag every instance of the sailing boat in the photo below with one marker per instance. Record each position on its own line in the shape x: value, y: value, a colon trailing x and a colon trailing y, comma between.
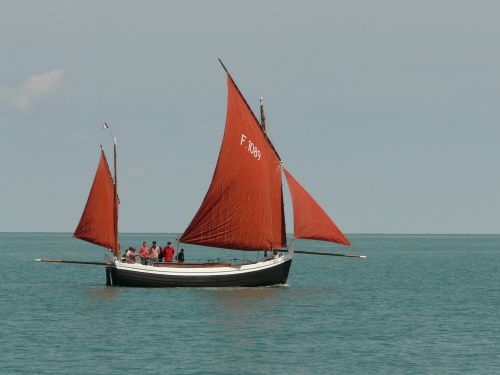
x: 242, y: 210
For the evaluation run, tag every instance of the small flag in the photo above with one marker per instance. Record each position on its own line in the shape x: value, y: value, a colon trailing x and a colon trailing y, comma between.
x: 105, y: 125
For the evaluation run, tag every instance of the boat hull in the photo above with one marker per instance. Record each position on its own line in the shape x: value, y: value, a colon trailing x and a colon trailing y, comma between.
x: 273, y: 272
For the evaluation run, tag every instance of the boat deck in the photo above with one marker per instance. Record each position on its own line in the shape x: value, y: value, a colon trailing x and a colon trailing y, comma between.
x: 192, y: 265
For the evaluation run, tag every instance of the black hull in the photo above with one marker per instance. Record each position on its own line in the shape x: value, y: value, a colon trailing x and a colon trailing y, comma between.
x: 269, y: 276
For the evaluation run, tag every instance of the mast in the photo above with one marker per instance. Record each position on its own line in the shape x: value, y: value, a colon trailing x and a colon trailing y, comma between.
x: 117, y: 250
x: 264, y: 129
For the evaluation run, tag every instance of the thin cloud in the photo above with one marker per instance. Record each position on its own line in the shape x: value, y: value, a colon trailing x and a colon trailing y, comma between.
x: 34, y: 88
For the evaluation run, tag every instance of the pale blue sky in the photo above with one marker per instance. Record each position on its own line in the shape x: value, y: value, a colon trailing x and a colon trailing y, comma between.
x: 386, y: 111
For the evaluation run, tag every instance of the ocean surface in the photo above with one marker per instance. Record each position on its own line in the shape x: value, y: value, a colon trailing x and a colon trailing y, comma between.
x: 419, y: 304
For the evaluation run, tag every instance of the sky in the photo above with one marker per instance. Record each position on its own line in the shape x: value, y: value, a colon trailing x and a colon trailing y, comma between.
x: 386, y: 111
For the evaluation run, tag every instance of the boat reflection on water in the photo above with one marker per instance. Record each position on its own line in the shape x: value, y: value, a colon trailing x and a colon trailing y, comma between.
x: 102, y: 293
x: 240, y: 303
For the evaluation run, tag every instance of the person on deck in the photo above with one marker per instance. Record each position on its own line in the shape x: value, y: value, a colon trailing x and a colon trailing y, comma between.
x: 168, y: 252
x: 154, y: 253
x: 130, y: 255
x: 180, y: 256
x: 160, y: 254
x: 144, y: 253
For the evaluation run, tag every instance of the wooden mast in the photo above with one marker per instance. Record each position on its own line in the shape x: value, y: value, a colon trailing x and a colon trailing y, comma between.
x: 117, y: 249
x: 263, y: 125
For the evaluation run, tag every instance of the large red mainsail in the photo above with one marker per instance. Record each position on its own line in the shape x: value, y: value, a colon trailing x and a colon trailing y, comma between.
x: 98, y: 222
x: 243, y: 208
x: 310, y: 221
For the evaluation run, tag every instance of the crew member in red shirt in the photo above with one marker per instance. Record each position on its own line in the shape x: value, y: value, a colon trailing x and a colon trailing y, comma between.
x: 168, y: 252
x: 144, y: 253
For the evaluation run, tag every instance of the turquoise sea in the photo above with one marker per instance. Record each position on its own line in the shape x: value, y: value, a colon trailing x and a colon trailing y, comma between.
x: 419, y: 304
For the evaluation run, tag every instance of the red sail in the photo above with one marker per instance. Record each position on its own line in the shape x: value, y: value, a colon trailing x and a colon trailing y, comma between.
x: 310, y: 221
x: 98, y: 222
x: 243, y: 208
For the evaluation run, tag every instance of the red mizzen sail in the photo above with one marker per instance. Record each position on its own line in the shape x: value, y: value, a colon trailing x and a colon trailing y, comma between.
x: 310, y: 221
x: 98, y: 222
x: 243, y: 208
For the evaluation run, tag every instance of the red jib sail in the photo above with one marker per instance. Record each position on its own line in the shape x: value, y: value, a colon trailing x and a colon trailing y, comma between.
x: 243, y: 208
x: 98, y: 222
x: 310, y: 221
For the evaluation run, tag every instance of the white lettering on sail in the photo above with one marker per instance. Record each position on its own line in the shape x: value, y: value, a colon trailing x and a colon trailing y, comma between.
x: 250, y: 147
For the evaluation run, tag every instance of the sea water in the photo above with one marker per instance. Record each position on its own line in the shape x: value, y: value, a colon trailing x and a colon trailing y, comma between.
x: 419, y: 304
